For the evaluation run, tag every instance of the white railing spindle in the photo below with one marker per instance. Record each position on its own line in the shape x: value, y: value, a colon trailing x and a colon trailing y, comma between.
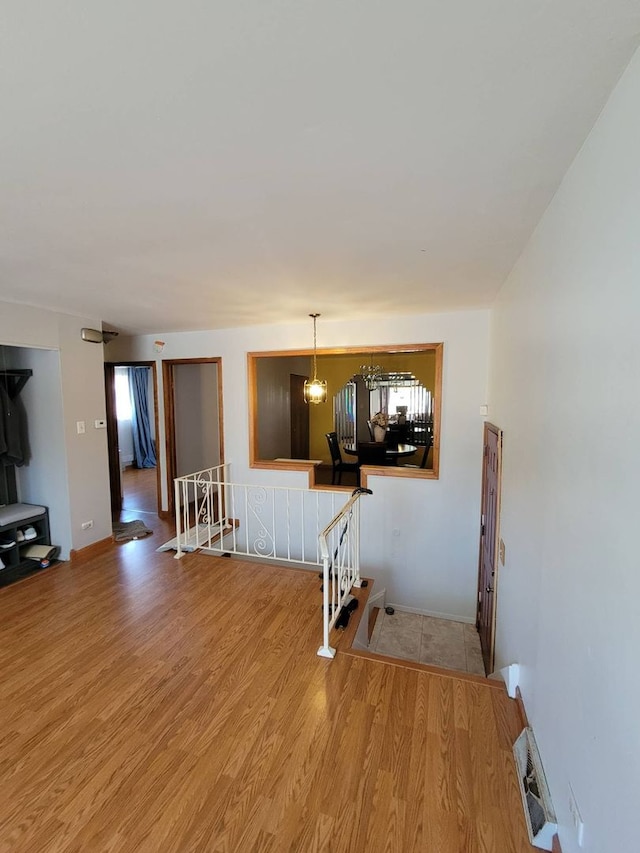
x: 257, y: 521
x: 340, y: 551
x: 260, y: 521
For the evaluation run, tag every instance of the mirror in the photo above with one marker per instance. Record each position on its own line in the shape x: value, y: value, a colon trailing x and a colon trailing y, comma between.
x: 402, y: 384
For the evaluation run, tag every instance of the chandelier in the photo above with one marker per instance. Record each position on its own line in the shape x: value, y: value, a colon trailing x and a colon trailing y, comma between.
x: 371, y: 374
x: 315, y: 391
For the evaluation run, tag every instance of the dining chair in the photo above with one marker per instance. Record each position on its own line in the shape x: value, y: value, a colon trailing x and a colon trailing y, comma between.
x: 338, y: 463
x: 423, y: 462
x: 371, y: 453
x: 392, y: 437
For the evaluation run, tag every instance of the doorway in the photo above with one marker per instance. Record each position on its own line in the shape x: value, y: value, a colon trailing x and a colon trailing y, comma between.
x: 489, y: 542
x: 132, y: 426
x: 193, y: 417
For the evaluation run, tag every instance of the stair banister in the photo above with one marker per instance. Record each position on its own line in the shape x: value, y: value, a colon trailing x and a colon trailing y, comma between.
x: 339, y: 545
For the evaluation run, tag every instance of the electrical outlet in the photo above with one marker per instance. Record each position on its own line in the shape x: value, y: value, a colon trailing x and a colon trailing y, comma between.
x: 578, y: 823
x: 86, y: 525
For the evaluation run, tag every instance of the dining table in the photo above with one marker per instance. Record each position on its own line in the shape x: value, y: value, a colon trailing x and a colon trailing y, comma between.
x: 392, y: 453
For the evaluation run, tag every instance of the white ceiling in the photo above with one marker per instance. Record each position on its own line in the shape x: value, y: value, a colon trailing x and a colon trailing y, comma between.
x: 196, y: 164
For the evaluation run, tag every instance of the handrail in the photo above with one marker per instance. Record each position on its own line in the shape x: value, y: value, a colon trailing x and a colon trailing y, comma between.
x: 276, y: 523
x: 271, y: 522
x: 200, y: 515
x: 339, y: 545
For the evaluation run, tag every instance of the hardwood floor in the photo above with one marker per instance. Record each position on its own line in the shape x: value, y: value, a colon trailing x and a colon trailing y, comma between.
x: 150, y: 704
x: 139, y: 490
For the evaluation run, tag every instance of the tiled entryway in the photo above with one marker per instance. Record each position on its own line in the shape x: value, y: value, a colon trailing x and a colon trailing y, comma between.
x: 439, y: 642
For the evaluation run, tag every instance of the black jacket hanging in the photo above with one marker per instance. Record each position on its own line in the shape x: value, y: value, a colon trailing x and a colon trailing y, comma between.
x: 11, y: 441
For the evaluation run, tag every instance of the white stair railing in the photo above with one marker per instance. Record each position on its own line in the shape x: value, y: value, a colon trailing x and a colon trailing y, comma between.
x: 340, y: 551
x: 272, y: 522
x: 200, y: 515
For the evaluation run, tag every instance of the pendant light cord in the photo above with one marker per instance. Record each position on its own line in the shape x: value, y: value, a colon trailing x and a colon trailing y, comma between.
x: 315, y: 371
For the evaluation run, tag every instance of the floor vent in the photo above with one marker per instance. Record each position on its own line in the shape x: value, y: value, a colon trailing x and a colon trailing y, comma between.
x: 538, y: 810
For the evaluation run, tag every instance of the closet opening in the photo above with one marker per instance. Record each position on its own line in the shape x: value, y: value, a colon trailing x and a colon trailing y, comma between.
x: 32, y: 459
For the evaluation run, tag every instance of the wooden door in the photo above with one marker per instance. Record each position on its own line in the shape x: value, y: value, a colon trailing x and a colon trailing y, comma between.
x: 299, y: 412
x: 115, y: 481
x: 489, y: 532
x: 173, y: 416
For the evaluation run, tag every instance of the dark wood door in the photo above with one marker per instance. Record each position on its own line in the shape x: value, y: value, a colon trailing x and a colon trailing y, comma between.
x: 299, y: 417
x: 115, y: 481
x: 489, y: 531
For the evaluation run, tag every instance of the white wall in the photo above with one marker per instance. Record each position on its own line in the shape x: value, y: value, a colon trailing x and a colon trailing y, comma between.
x: 82, y: 398
x: 565, y: 368
x: 420, y: 538
x: 125, y: 432
x: 196, y: 417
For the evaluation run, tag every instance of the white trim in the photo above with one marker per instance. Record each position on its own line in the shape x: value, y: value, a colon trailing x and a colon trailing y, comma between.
x: 339, y: 547
x: 373, y: 599
x: 263, y: 561
x: 511, y: 677
x: 468, y: 620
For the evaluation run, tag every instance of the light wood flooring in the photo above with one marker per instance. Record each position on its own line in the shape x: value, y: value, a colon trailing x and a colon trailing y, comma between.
x: 150, y: 704
x: 139, y: 490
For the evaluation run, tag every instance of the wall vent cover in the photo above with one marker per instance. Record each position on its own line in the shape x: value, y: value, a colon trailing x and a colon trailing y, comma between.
x: 538, y: 810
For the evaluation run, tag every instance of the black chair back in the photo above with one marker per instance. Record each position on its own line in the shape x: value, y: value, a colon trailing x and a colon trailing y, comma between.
x: 336, y: 459
x: 334, y: 446
x: 427, y: 448
x: 393, y: 437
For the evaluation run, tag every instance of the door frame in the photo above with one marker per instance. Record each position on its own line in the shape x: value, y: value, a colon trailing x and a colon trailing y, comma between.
x: 168, y: 385
x: 115, y: 480
x: 489, y: 653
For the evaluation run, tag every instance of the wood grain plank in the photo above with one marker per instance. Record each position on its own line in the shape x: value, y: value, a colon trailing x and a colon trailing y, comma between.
x: 152, y: 704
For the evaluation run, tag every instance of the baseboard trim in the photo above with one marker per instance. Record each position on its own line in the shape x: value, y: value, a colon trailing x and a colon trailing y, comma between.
x: 468, y: 620
x: 92, y: 550
x: 374, y: 612
x: 521, y: 709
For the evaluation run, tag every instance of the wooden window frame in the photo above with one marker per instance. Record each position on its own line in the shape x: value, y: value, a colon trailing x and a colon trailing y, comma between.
x: 432, y: 473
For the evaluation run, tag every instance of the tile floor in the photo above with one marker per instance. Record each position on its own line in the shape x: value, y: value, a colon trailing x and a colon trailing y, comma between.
x: 440, y: 642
